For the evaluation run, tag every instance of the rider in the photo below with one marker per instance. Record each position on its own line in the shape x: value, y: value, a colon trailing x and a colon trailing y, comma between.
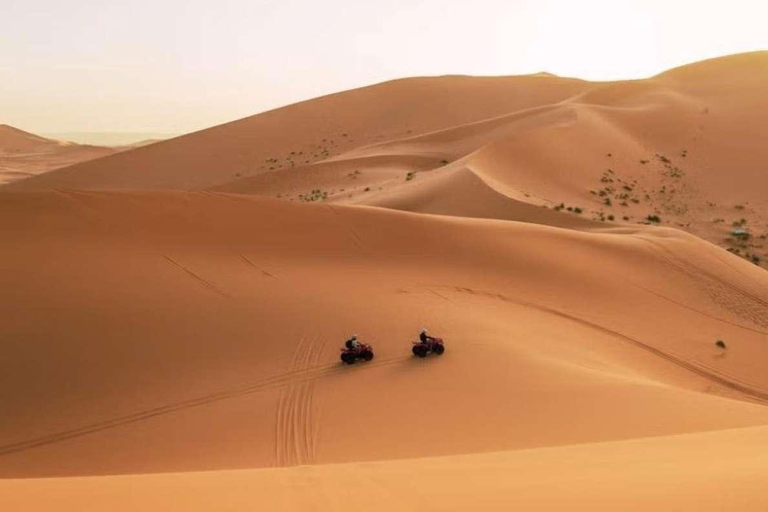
x: 424, y: 337
x: 352, y: 342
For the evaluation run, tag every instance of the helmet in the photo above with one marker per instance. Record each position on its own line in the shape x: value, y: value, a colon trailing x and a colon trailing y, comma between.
x: 423, y: 331
x: 353, y: 337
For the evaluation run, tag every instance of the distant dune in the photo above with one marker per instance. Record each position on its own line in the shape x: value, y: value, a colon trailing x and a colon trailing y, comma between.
x: 23, y: 154
x: 685, y: 147
x: 111, y: 139
x: 590, y: 252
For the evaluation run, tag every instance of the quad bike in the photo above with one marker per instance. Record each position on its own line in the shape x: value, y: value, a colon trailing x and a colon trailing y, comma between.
x: 434, y: 345
x: 350, y: 354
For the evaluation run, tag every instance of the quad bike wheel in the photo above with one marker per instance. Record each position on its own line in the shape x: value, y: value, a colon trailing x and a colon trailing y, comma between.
x: 420, y: 350
x: 367, y: 355
x: 348, y: 358
x: 438, y: 349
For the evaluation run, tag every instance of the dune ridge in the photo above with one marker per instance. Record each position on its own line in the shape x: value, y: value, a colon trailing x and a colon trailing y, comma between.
x: 24, y: 154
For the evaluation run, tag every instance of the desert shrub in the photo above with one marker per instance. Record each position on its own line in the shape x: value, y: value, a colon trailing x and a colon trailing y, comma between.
x: 653, y: 218
x: 314, y: 195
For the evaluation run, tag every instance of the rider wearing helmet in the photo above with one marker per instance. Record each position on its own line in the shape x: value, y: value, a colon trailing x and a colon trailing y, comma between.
x: 352, y: 342
x: 424, y: 337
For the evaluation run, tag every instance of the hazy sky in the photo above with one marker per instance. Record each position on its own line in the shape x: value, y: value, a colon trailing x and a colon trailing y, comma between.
x: 182, y: 65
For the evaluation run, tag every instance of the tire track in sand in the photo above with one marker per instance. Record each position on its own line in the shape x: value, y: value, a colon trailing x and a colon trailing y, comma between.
x: 708, y: 373
x: 295, y: 426
x: 205, y: 283
x: 290, y: 378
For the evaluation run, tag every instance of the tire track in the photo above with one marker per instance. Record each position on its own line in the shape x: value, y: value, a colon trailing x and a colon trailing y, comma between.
x: 741, y: 302
x: 703, y: 313
x: 703, y: 371
x: 295, y: 430
x: 206, y: 284
x: 252, y: 264
x: 277, y: 381
x: 355, y: 237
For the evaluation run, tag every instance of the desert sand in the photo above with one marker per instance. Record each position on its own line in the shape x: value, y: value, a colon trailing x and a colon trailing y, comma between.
x: 172, y: 315
x: 24, y: 154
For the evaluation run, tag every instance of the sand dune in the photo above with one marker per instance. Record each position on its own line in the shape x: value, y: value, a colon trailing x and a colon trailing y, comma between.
x: 163, y: 310
x: 23, y: 154
x: 329, y: 126
x: 680, y: 146
x: 711, y: 472
x: 173, y: 314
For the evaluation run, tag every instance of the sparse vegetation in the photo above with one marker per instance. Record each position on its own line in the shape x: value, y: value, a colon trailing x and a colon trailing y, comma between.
x: 410, y: 176
x: 653, y: 218
x: 314, y: 195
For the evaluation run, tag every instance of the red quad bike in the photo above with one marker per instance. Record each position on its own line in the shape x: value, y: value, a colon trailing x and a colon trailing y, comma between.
x: 363, y: 351
x: 434, y: 345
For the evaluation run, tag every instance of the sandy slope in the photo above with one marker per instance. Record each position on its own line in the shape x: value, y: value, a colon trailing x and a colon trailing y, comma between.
x: 719, y: 471
x: 171, y: 321
x: 23, y: 154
